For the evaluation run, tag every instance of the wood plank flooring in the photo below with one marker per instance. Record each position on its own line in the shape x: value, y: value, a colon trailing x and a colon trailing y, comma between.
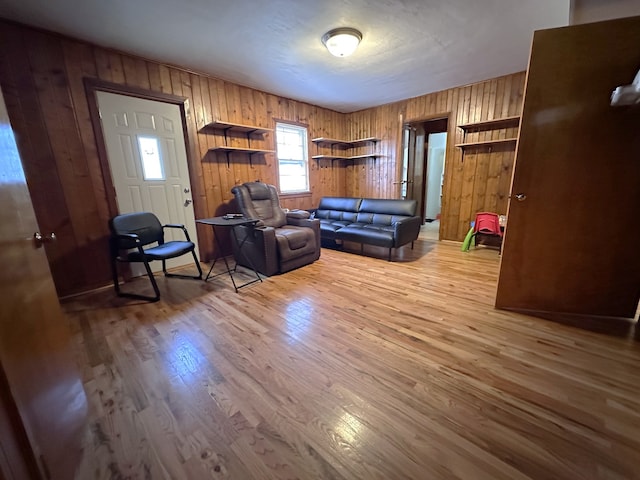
x: 352, y: 368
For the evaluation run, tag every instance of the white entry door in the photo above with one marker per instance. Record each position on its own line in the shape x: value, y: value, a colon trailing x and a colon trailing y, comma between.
x: 148, y: 160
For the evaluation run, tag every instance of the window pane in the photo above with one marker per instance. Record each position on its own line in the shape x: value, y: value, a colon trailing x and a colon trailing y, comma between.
x: 150, y: 155
x: 291, y: 145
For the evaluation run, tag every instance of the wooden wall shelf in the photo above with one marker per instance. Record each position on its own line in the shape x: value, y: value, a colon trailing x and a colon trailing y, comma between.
x: 250, y: 151
x: 495, y: 124
x: 230, y: 127
x: 345, y: 157
x: 486, y: 143
x: 486, y: 125
x: 344, y: 143
x: 235, y: 127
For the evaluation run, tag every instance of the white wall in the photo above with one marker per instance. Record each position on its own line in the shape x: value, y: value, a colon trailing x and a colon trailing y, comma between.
x: 437, y: 144
x: 587, y: 11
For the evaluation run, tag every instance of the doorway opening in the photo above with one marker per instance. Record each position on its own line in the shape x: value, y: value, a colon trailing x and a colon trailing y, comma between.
x: 424, y: 150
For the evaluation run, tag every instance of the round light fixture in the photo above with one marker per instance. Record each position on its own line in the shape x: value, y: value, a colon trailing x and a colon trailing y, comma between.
x: 342, y: 42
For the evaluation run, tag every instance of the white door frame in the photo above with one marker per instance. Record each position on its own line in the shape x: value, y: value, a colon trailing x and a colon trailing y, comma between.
x: 94, y: 85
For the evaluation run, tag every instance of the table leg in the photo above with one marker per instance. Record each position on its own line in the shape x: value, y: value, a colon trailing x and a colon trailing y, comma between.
x: 226, y: 263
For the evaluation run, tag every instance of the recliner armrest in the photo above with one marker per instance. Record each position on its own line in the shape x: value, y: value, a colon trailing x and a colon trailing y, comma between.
x: 312, y: 223
x: 304, y: 222
x: 259, y: 245
x: 406, y: 230
x: 297, y: 214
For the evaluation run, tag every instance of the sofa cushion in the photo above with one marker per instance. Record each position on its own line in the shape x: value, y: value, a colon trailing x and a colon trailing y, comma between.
x: 328, y: 228
x: 380, y: 235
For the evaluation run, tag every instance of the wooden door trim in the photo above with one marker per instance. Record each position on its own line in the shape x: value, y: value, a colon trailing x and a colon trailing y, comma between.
x: 92, y: 86
x: 413, y: 123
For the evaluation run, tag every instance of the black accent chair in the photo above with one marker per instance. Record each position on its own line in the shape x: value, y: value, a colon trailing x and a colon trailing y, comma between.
x: 280, y: 241
x: 130, y: 233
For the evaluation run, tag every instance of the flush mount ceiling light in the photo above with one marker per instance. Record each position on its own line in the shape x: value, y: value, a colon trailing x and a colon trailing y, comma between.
x: 342, y: 42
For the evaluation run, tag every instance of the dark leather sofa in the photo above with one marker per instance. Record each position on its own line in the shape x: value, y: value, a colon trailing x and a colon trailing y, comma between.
x: 388, y: 223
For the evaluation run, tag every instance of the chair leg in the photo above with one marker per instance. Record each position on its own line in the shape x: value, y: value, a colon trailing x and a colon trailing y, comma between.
x: 411, y: 245
x: 389, y: 259
x: 120, y: 293
x: 195, y: 259
x: 114, y: 274
x: 177, y: 275
x: 147, y: 267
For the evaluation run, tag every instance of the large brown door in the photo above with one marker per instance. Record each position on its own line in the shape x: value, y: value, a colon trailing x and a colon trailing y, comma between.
x: 42, y: 398
x: 571, y: 243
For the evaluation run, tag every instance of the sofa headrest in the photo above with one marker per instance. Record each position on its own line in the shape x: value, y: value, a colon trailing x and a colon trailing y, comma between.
x: 389, y: 206
x: 344, y: 204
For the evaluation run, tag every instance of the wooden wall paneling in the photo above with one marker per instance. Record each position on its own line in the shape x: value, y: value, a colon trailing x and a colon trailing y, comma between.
x: 195, y: 119
x: 231, y: 96
x: 451, y: 157
x: 103, y: 64
x: 491, y: 104
x: 165, y: 78
x: 45, y: 58
x: 155, y: 83
x: 116, y: 68
x: 193, y: 111
x: 135, y: 72
x: 494, y: 167
x: 80, y: 63
x: 454, y: 171
x: 506, y: 110
x: 249, y: 166
x: 266, y: 164
x: 218, y: 161
x: 176, y: 82
x: 210, y: 174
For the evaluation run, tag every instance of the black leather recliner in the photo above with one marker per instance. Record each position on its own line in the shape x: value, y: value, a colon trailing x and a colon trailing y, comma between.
x: 280, y: 241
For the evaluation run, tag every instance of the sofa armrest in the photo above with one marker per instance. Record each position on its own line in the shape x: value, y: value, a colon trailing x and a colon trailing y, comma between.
x: 406, y: 230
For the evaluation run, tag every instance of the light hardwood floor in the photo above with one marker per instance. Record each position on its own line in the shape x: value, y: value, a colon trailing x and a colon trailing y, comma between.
x: 352, y: 368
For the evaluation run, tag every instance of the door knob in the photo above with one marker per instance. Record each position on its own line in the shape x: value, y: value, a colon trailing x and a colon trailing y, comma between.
x: 186, y: 190
x: 187, y: 202
x: 39, y: 240
x: 521, y: 197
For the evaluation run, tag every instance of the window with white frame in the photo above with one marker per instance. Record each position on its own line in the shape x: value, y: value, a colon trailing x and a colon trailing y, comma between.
x: 293, y: 157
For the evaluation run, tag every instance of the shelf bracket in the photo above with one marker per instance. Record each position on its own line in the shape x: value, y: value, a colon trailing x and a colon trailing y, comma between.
x: 225, y: 130
x: 249, y: 133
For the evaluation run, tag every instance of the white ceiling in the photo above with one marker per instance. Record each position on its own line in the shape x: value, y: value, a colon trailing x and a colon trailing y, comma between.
x: 409, y: 47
